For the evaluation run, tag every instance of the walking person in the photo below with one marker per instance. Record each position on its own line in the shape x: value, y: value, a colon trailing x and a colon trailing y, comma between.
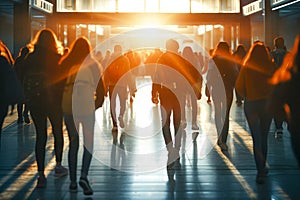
x: 22, y: 107
x: 238, y: 57
x: 118, y: 79
x: 278, y: 54
x: 190, y: 56
x: 221, y: 77
x: 6, y: 63
x: 83, y: 73
x: 286, y: 94
x: 43, y: 93
x: 254, y: 86
x: 173, y: 76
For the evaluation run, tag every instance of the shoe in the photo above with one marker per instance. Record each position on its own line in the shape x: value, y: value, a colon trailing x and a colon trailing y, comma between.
x: 223, y: 147
x: 26, y: 120
x: 260, y: 179
x: 278, y: 134
x: 114, y: 129
x: 121, y: 121
x: 195, y: 126
x: 41, y: 182
x: 73, y: 187
x: 84, y: 183
x: 60, y: 171
x: 20, y: 121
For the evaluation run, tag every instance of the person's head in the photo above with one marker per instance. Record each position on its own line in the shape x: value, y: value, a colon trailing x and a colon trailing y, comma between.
x: 258, y: 56
x: 222, y: 49
x: 279, y: 42
x: 290, y: 66
x: 172, y: 45
x: 118, y: 48
x: 46, y: 39
x: 79, y: 50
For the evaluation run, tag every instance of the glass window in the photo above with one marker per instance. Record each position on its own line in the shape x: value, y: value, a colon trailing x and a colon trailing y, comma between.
x: 130, y: 6
x: 162, y: 6
x: 175, y: 6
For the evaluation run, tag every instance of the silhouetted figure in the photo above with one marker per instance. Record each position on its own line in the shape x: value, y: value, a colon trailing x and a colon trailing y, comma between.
x: 6, y: 63
x: 238, y: 57
x: 43, y: 93
x: 22, y: 107
x: 118, y: 79
x: 278, y: 54
x: 286, y: 94
x: 134, y: 60
x: 221, y: 77
x: 173, y: 76
x: 83, y: 73
x: 253, y: 84
x: 191, y: 57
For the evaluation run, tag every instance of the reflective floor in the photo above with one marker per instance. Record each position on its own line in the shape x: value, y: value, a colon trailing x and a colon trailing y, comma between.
x: 132, y: 163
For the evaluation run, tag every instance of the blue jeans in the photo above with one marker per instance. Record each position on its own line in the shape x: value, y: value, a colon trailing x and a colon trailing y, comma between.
x: 88, y: 139
x: 259, y: 121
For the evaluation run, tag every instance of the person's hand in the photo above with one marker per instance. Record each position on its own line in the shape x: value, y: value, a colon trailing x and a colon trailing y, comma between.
x: 155, y: 100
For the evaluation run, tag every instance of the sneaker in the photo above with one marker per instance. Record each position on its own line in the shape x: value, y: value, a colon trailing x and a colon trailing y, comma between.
x: 73, y: 187
x: 121, y: 121
x: 223, y: 147
x: 279, y: 134
x: 41, y: 182
x: 26, y: 119
x: 84, y: 183
x: 60, y: 171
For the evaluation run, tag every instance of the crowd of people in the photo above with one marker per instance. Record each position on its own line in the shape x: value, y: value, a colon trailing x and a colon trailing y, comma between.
x: 55, y: 80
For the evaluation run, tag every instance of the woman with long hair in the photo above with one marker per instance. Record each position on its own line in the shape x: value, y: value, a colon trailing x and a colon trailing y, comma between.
x: 253, y: 85
x: 43, y: 93
x: 82, y: 75
x: 286, y: 94
x: 221, y: 77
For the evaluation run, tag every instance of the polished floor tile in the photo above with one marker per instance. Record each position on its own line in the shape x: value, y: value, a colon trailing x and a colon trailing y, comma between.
x: 132, y: 163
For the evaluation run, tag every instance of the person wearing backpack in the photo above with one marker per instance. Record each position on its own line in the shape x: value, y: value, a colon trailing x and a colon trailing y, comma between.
x: 43, y: 94
x: 84, y: 74
x: 278, y: 54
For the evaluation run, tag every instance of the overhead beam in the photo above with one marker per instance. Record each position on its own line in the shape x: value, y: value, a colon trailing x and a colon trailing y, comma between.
x: 144, y: 18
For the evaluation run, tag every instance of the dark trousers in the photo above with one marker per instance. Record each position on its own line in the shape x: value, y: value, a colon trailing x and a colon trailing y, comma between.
x: 169, y: 104
x: 72, y: 125
x: 222, y: 107
x: 115, y: 91
x: 39, y: 116
x: 259, y: 121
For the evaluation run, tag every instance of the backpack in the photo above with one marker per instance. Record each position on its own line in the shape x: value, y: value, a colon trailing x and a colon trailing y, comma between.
x: 34, y: 86
x: 13, y: 89
x: 11, y: 85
